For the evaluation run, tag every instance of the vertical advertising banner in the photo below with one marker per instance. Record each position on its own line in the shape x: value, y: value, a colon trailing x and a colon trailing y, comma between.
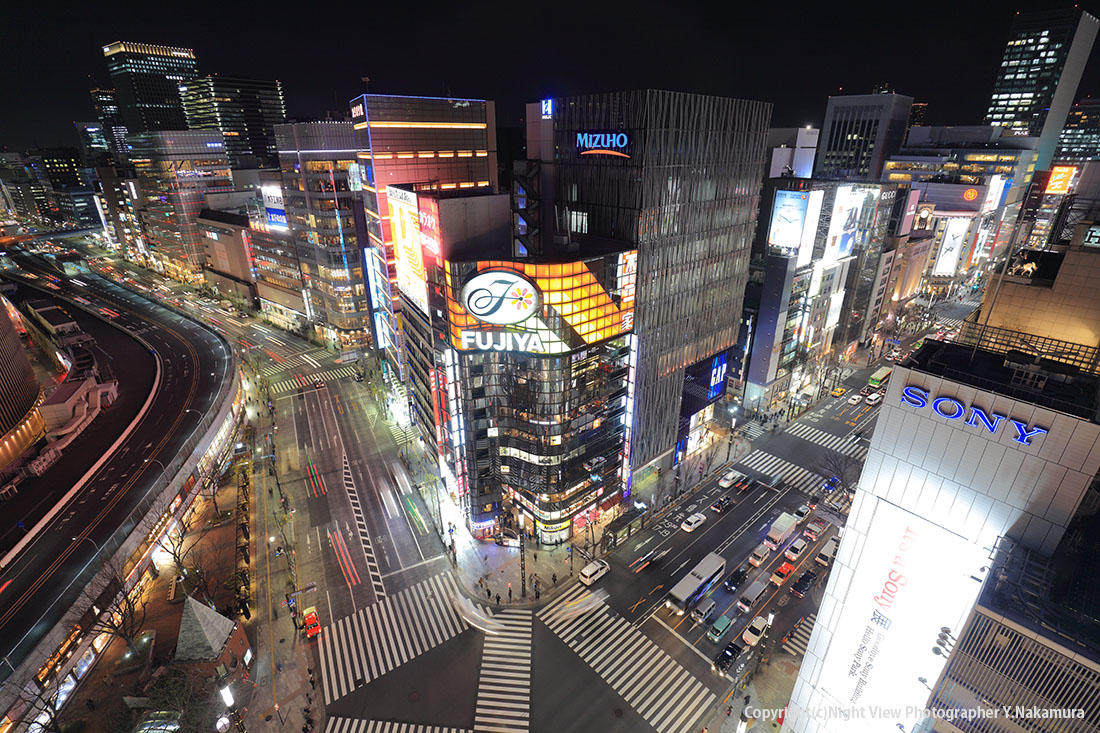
x: 951, y: 246
x: 273, y: 207
x: 788, y: 219
x: 847, y: 209
x: 1061, y: 176
x: 408, y: 255
x: 809, y: 229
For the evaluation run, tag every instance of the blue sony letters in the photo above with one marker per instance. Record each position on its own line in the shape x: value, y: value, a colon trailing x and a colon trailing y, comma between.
x: 952, y: 409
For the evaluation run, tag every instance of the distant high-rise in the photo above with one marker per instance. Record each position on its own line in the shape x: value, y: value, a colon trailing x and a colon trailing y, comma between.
x: 94, y: 148
x: 244, y: 110
x: 147, y: 78
x: 1080, y: 138
x: 105, y: 104
x: 860, y: 132
x: 61, y: 166
x: 1044, y: 58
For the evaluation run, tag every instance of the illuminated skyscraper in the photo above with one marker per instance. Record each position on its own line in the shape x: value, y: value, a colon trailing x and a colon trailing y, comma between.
x: 105, y: 104
x: 244, y: 110
x: 147, y: 78
x: 1080, y: 139
x: 1044, y: 58
x: 860, y: 132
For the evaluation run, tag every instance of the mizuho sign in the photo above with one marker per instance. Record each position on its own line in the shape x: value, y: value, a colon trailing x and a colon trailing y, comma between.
x: 950, y: 408
x: 501, y: 297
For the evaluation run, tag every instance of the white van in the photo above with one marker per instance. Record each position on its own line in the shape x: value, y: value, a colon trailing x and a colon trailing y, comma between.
x: 703, y: 611
x: 593, y: 571
x: 732, y: 477
x: 760, y: 555
x: 825, y: 557
x: 751, y: 595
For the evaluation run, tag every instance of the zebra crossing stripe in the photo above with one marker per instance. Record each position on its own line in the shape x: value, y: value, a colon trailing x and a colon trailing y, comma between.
x: 351, y: 725
x: 364, y: 536
x: 288, y: 385
x: 837, y: 443
x: 504, y: 686
x: 794, y: 476
x: 799, y: 639
x: 385, y: 635
x: 663, y: 692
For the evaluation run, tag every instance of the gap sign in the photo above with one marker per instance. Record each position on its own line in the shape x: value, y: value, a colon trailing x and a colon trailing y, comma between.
x: 951, y: 409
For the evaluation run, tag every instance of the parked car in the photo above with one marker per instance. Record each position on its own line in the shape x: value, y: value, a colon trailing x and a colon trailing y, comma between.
x: 311, y: 624
x: 693, y: 522
x: 755, y: 630
x: 593, y: 571
x: 805, y: 581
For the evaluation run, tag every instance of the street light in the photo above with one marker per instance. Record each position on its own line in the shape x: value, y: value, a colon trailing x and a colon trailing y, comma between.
x: 157, y: 461
x: 98, y: 548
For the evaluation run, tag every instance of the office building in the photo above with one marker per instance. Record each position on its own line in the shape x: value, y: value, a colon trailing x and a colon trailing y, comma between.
x: 1043, y: 61
x: 984, y: 448
x: 228, y: 266
x: 245, y: 111
x: 432, y: 142
x: 174, y: 172
x: 120, y: 200
x: 61, y: 167
x: 21, y: 423
x: 520, y: 370
x: 792, y: 151
x: 822, y: 250
x: 633, y: 167
x: 28, y: 194
x: 859, y: 133
x: 146, y: 78
x: 94, y: 148
x: 279, y: 283
x: 105, y: 106
x: 918, y: 114
x: 1080, y: 138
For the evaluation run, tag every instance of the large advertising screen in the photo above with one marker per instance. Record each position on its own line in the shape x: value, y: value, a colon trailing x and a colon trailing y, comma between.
x: 911, y: 578
x: 1061, y: 176
x: 274, y: 208
x: 408, y: 254
x: 844, y: 226
x: 794, y: 222
x: 951, y: 246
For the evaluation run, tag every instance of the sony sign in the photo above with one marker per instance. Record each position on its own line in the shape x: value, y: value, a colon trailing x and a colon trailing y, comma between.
x: 501, y: 297
x: 951, y: 409
x: 603, y: 143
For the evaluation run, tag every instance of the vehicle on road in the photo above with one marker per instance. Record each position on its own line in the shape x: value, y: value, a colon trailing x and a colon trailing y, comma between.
x: 839, y: 391
x: 726, y: 657
x: 815, y: 529
x: 760, y: 555
x: 782, y: 528
x: 693, y: 522
x: 719, y: 628
x: 826, y: 556
x: 802, y: 512
x: 781, y: 574
x: 701, y: 613
x: 755, y: 631
x: 593, y: 463
x: 805, y: 581
x: 796, y: 549
x: 873, y: 399
x: 593, y: 571
x: 648, y: 559
x: 737, y: 577
x: 866, y: 391
x: 695, y: 585
x: 721, y: 505
x: 855, y: 399
x: 311, y: 624
x: 880, y: 377
x: 752, y: 595
x: 508, y: 537
x: 730, y: 478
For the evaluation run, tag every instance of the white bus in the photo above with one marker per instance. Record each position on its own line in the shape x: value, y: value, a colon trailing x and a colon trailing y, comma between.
x: 695, y: 584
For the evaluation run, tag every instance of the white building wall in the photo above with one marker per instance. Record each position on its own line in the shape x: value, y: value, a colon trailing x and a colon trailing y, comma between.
x: 960, y: 488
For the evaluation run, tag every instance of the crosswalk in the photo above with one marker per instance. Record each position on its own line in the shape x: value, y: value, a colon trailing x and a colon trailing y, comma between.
x: 403, y: 436
x: 289, y: 385
x: 839, y: 443
x: 752, y: 430
x: 665, y: 694
x: 799, y: 638
x: 308, y: 360
x: 504, y: 687
x: 351, y: 725
x: 364, y: 536
x: 385, y: 635
x: 795, y: 477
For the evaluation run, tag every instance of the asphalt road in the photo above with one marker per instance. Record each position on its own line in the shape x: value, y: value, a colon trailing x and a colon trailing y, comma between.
x: 48, y: 575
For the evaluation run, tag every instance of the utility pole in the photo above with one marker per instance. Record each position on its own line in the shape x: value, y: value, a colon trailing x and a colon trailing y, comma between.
x: 522, y: 564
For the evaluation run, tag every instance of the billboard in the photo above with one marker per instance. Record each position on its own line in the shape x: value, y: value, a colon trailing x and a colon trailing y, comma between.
x: 951, y: 246
x: 1061, y: 177
x: 911, y: 578
x: 844, y: 226
x: 274, y: 208
x: 794, y: 222
x: 912, y: 199
x: 541, y: 308
x: 408, y: 255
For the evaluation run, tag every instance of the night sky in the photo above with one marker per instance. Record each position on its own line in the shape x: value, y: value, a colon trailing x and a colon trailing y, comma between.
x: 791, y: 54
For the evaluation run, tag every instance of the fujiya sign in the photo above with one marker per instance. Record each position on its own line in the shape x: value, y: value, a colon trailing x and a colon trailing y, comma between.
x: 502, y: 341
x: 603, y: 143
x: 501, y: 297
x: 951, y: 409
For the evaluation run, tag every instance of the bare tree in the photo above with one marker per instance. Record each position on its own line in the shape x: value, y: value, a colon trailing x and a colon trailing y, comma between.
x: 211, y: 565
x: 122, y: 614
x: 41, y: 708
x: 180, y: 544
x: 845, y: 468
x: 182, y: 691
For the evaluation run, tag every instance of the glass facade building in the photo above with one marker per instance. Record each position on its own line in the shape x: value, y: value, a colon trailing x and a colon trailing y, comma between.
x: 105, y: 105
x: 859, y: 133
x: 675, y: 176
x: 245, y: 111
x: 1080, y: 139
x: 146, y: 78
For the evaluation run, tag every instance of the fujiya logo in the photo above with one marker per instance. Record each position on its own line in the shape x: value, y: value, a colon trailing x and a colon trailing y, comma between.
x: 500, y: 297
x: 603, y: 143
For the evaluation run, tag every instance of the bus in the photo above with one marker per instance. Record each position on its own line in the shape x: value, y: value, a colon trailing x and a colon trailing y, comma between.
x: 880, y: 377
x: 695, y: 584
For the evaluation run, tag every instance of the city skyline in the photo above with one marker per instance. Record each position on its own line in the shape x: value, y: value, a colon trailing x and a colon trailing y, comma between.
x: 789, y: 61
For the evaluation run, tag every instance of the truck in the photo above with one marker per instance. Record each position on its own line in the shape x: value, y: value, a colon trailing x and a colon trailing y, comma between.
x: 782, y: 528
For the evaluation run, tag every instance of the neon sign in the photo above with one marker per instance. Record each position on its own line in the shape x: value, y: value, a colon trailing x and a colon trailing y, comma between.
x: 547, y: 109
x: 950, y: 408
x: 501, y: 297
x: 603, y: 143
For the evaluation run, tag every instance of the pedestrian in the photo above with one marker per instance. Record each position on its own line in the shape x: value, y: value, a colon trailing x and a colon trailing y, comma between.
x: 488, y: 594
x: 509, y: 593
x: 498, y: 599
x: 554, y: 578
x: 90, y: 704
